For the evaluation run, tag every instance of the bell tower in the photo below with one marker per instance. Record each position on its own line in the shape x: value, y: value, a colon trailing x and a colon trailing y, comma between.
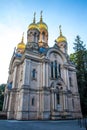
x: 43, y: 37
x: 33, y: 32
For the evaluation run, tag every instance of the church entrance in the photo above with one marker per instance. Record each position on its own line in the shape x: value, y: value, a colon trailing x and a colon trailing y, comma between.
x: 56, y: 100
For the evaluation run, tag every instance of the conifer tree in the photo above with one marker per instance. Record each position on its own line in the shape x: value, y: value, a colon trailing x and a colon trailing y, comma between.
x: 80, y: 60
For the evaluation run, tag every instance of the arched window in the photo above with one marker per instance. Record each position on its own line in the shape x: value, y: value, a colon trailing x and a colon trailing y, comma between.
x: 43, y: 36
x: 70, y: 81
x: 51, y: 69
x: 34, y: 73
x: 33, y: 101
x: 59, y: 70
x: 55, y: 67
x: 73, y: 103
x: 57, y: 98
x: 35, y: 37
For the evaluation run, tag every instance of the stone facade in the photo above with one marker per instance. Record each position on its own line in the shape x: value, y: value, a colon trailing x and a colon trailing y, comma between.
x: 42, y: 81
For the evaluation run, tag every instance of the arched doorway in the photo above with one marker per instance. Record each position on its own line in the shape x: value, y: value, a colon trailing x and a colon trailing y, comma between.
x: 57, y: 98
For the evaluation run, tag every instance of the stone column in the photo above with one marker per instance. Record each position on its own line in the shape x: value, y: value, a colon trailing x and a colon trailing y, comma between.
x: 65, y: 102
x: 55, y: 101
x: 44, y: 75
x: 52, y: 100
x: 5, y: 102
x: 53, y: 70
x: 62, y: 100
x: 10, y: 112
x: 66, y: 77
x: 68, y: 84
x: 26, y: 72
x: 47, y: 75
x: 14, y: 77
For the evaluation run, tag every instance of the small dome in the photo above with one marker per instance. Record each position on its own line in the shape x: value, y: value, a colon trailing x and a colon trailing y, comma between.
x: 21, y: 46
x: 61, y: 38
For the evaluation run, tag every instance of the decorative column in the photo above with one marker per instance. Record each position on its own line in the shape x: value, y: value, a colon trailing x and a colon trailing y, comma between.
x: 5, y: 104
x: 67, y: 76
x: 26, y: 72
x: 52, y: 100
x: 14, y: 77
x: 47, y: 75
x: 10, y: 111
x: 65, y: 102
x: 44, y: 75
x: 53, y: 69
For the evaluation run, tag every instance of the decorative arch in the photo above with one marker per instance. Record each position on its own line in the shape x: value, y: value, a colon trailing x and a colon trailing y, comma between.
x: 53, y: 50
x: 58, y: 84
x: 35, y: 37
x: 43, y: 36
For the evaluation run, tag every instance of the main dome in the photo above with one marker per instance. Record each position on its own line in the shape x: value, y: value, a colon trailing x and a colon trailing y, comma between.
x: 41, y: 24
x: 33, y: 26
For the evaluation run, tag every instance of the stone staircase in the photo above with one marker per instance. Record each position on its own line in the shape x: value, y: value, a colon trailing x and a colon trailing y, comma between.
x: 60, y: 115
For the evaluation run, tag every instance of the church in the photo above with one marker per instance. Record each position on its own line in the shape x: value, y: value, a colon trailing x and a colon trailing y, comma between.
x: 42, y: 82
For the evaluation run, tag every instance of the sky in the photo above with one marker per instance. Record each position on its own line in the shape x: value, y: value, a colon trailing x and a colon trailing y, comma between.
x: 16, y: 15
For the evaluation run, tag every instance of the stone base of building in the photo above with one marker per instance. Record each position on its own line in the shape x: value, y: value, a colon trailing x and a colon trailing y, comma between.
x: 65, y: 115
x: 46, y: 115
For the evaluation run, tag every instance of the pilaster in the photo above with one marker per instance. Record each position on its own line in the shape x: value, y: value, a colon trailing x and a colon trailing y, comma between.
x: 14, y: 77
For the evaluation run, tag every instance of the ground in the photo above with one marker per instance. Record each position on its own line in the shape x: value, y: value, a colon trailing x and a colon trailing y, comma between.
x: 40, y: 125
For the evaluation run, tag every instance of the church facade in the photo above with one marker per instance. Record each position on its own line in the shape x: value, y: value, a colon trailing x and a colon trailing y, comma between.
x: 42, y: 81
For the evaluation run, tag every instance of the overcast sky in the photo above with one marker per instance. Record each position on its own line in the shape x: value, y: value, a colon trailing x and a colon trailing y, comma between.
x: 16, y: 15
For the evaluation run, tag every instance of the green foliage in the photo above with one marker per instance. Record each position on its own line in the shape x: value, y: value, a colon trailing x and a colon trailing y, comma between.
x: 78, y: 44
x: 2, y: 88
x: 79, y: 58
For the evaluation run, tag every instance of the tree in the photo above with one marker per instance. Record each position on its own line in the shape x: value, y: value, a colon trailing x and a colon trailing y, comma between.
x: 2, y: 88
x: 80, y: 60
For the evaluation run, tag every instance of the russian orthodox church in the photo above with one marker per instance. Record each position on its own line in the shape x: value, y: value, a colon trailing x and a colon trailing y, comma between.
x: 42, y: 82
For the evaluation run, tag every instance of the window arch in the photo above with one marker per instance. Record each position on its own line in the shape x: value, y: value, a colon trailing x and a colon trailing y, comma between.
x: 33, y: 101
x: 59, y: 69
x: 43, y: 35
x: 34, y: 73
x: 70, y: 81
x: 51, y: 69
x: 55, y: 66
x: 55, y: 69
x: 57, y: 98
x: 35, y: 37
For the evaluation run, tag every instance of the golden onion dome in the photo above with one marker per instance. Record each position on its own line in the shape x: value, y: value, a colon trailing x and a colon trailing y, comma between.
x: 21, y: 45
x: 61, y: 38
x: 41, y: 24
x: 33, y: 25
